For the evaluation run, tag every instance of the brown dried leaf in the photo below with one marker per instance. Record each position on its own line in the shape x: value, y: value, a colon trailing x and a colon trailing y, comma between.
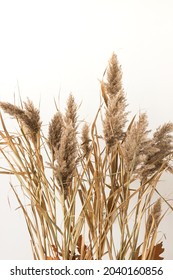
x: 80, y: 246
x: 156, y: 252
x: 51, y: 259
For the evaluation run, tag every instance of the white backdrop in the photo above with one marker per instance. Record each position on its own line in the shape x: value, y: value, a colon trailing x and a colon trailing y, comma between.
x: 50, y: 48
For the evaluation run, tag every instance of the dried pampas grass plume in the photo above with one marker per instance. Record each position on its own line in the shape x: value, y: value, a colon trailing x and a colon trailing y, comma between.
x: 162, y: 147
x: 86, y: 147
x: 154, y: 217
x: 55, y: 131
x: 66, y: 158
x: 71, y: 112
x: 115, y: 119
x: 136, y: 143
x: 114, y: 77
x: 29, y: 117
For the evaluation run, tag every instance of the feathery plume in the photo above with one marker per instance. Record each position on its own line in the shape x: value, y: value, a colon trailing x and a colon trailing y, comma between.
x: 29, y: 117
x: 12, y: 110
x: 55, y: 132
x: 66, y: 158
x: 136, y: 143
x: 71, y: 112
x: 115, y: 119
x: 86, y: 148
x: 154, y: 217
x: 162, y: 144
x: 114, y: 76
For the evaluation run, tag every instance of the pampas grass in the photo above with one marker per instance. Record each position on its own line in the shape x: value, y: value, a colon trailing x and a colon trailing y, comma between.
x: 89, y: 192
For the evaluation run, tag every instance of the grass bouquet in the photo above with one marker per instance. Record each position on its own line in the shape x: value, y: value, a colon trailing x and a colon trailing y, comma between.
x: 88, y: 193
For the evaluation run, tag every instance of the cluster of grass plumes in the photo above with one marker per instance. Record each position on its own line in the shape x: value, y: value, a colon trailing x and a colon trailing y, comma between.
x: 81, y: 200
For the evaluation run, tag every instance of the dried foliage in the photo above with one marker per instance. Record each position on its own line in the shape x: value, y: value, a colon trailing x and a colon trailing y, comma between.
x: 80, y: 201
x: 155, y: 253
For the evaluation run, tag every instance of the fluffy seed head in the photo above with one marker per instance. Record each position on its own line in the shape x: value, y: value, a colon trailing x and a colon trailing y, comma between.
x: 154, y: 217
x: 135, y: 143
x: 115, y: 119
x: 12, y: 110
x: 55, y: 132
x: 86, y: 148
x: 32, y: 118
x: 71, y: 112
x: 114, y: 77
x: 162, y: 147
x: 29, y: 117
x: 66, y: 158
